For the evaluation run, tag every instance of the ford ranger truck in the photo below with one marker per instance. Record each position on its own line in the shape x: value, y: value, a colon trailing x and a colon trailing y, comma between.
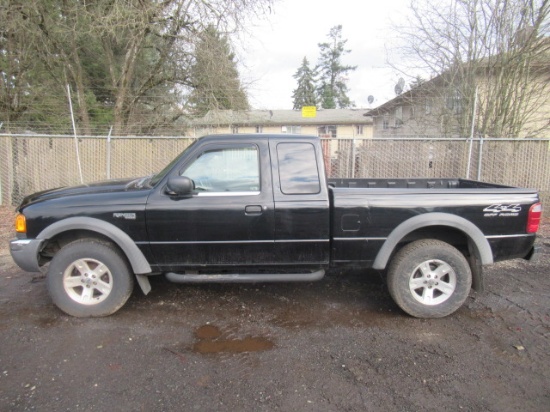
x: 258, y: 208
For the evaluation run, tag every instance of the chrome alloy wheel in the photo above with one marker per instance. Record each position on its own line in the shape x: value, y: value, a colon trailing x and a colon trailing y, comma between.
x: 87, y: 281
x: 432, y: 282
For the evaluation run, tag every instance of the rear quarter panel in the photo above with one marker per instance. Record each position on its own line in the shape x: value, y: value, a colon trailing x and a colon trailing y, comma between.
x: 362, y: 219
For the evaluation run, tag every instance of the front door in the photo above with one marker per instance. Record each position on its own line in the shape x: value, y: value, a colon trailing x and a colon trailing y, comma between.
x: 227, y: 222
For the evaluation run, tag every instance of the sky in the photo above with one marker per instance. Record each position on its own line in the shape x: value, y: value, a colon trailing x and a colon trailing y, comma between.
x: 274, y: 48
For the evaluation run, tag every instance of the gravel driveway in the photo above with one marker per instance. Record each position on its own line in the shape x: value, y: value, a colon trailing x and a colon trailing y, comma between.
x: 340, y: 344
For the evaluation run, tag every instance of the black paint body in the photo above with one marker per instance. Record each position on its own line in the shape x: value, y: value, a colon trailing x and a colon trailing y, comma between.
x: 345, y: 223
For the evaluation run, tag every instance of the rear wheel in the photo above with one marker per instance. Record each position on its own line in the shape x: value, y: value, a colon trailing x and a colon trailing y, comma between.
x: 429, y: 279
x: 89, y: 278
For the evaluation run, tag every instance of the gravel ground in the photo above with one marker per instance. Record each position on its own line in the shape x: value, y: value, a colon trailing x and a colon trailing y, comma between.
x: 336, y: 345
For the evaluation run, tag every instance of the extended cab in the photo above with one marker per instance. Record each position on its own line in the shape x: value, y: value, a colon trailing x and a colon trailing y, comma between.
x: 258, y: 208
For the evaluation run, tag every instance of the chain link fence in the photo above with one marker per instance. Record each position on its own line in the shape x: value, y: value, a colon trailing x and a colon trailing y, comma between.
x: 512, y: 162
x: 29, y: 163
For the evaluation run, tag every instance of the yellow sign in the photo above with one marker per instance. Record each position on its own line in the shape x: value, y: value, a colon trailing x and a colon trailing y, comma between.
x: 309, y: 111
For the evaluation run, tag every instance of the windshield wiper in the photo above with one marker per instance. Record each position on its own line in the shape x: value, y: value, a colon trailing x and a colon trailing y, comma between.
x: 141, y: 182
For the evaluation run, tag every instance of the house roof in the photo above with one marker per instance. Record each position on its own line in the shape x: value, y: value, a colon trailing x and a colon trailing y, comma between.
x: 422, y: 89
x: 283, y: 117
x: 542, y: 63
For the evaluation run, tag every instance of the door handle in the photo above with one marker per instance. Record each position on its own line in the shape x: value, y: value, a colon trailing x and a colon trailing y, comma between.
x: 253, y: 210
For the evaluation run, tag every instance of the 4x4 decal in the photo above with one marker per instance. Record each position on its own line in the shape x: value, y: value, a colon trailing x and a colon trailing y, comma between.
x: 502, y: 210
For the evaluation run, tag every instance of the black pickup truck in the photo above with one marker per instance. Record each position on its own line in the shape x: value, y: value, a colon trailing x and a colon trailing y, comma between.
x: 258, y: 208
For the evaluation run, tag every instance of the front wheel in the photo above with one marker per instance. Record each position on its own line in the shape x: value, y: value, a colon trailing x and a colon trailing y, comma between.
x: 89, y: 278
x: 429, y: 279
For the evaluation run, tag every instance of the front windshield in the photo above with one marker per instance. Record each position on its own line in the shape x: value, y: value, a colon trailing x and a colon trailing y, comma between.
x: 159, y: 176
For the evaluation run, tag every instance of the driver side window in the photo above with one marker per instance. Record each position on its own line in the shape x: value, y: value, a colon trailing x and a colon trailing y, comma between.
x: 226, y: 170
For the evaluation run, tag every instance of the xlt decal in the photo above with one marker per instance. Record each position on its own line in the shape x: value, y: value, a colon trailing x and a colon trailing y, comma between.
x: 502, y: 210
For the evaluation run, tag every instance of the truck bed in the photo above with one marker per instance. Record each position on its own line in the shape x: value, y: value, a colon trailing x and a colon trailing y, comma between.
x: 366, y: 212
x: 420, y: 183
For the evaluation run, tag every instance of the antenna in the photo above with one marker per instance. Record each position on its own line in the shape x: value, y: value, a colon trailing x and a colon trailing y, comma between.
x: 399, y: 86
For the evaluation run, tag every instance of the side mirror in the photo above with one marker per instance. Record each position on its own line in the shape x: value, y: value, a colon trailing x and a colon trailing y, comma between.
x: 180, y: 186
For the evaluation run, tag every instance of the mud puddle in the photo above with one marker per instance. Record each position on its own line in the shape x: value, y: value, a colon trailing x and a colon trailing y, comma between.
x: 210, y: 340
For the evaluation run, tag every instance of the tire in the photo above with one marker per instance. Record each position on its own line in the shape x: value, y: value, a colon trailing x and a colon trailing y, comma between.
x: 89, y: 278
x: 429, y: 279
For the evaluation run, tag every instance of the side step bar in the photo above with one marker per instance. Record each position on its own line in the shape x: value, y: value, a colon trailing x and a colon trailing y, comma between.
x: 245, y: 278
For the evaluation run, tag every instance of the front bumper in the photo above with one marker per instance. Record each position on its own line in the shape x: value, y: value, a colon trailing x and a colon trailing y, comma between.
x: 24, y: 252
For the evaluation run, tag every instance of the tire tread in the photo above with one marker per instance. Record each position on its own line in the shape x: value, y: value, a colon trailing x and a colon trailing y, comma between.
x: 120, y: 270
x: 398, y: 280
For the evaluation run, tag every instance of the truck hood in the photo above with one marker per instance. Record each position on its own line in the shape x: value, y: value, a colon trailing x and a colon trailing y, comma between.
x: 109, y: 186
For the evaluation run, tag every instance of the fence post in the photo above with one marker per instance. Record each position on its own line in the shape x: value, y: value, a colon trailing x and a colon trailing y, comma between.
x: 472, y: 135
x: 471, y: 140
x: 480, y: 158
x: 109, y: 153
x: 75, y: 137
x: 353, y: 157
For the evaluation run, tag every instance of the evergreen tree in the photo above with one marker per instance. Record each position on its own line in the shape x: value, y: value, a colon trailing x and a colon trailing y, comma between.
x: 304, y: 94
x: 214, y: 76
x: 333, y: 89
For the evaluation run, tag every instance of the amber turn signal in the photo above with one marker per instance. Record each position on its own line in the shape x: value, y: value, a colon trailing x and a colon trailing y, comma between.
x: 20, y: 223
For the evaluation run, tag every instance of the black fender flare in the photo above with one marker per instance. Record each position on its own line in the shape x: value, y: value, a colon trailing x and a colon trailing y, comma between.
x: 139, y: 263
x: 476, y: 236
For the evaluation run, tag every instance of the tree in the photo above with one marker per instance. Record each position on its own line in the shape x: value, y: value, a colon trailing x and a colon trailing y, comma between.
x: 333, y: 88
x: 214, y: 77
x: 305, y: 93
x: 417, y: 82
x: 493, y: 49
x: 128, y: 62
x: 26, y: 96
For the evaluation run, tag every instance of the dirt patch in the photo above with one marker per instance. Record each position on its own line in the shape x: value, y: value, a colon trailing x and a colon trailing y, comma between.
x: 7, y: 228
x: 337, y: 344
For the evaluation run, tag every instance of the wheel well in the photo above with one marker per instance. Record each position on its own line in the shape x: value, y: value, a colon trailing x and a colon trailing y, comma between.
x: 53, y: 245
x: 446, y: 234
x: 454, y: 237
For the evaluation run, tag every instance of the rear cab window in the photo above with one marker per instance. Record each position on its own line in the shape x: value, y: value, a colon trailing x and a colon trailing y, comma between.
x: 298, y: 171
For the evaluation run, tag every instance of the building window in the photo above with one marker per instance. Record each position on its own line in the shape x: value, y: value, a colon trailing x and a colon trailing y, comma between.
x: 291, y: 129
x: 359, y: 130
x: 234, y: 129
x: 398, y: 116
x: 412, y: 112
x: 259, y: 129
x: 327, y: 131
x: 385, y: 124
x: 428, y: 107
x: 454, y: 102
